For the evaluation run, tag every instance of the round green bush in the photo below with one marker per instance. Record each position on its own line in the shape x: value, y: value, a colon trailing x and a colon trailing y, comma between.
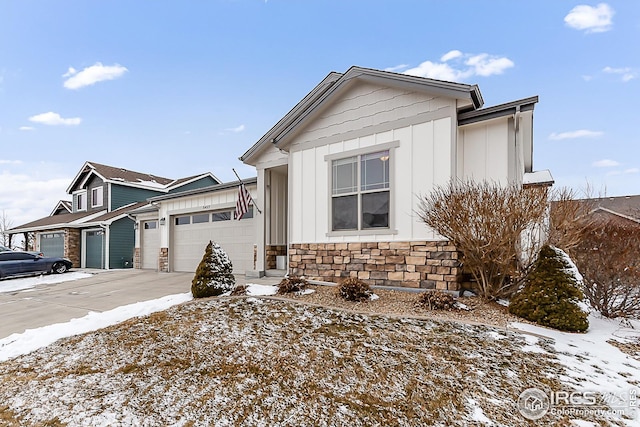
x: 551, y: 295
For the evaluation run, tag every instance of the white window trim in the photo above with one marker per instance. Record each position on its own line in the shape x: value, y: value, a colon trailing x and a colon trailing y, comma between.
x: 329, y: 158
x: 75, y: 200
x: 100, y: 197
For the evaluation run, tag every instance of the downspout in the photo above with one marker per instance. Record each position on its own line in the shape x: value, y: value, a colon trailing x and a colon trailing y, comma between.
x: 516, y: 131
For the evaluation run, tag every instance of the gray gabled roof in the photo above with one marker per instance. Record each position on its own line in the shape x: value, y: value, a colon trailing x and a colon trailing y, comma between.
x: 203, y: 190
x: 332, y: 85
x: 501, y: 110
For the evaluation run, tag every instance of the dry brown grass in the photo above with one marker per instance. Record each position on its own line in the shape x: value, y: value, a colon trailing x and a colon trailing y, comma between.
x: 248, y: 361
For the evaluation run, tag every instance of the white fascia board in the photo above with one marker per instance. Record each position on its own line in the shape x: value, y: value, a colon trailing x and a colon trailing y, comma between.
x: 542, y: 177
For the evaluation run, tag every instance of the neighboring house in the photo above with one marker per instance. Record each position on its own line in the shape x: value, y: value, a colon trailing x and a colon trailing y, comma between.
x: 172, y: 230
x: 624, y: 209
x: 339, y: 176
x: 95, y: 229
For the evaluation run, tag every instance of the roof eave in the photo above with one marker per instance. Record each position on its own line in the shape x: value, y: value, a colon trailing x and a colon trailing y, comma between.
x: 496, y: 111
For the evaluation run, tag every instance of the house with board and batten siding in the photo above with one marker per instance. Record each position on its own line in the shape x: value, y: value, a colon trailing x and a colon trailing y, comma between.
x: 340, y: 175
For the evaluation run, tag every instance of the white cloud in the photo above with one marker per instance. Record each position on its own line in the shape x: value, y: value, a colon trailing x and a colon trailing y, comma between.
x: 10, y: 162
x: 92, y: 75
x: 605, y: 163
x: 582, y: 133
x: 26, y: 197
x: 452, y: 54
x: 458, y: 66
x: 396, y: 68
x: 591, y: 19
x: 54, y: 119
x: 237, y: 129
x: 26, y: 128
x: 626, y: 72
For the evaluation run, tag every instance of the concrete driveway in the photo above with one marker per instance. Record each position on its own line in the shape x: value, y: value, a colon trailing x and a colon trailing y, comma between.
x: 105, y: 290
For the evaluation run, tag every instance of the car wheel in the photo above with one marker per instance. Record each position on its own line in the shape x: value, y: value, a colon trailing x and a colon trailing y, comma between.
x: 59, y: 267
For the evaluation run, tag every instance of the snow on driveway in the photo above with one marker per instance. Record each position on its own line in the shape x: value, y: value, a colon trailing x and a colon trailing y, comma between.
x: 24, y: 283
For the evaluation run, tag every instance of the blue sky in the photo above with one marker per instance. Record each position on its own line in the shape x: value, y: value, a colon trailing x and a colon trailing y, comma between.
x: 176, y: 88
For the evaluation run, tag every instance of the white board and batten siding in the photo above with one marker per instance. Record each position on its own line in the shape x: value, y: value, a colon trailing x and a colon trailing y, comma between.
x: 188, y: 241
x: 419, y: 127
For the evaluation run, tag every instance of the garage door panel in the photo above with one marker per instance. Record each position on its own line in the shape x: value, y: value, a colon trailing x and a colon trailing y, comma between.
x: 52, y: 244
x: 235, y: 237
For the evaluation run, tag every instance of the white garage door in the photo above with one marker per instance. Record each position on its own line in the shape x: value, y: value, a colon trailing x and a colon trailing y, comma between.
x: 150, y: 244
x: 191, y: 234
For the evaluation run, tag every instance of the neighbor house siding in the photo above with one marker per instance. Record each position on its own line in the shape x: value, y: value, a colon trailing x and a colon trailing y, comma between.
x: 121, y: 243
x: 121, y: 195
x: 96, y: 182
x: 203, y: 182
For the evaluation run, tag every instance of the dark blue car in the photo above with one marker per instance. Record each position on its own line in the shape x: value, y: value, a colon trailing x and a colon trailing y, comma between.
x: 15, y: 263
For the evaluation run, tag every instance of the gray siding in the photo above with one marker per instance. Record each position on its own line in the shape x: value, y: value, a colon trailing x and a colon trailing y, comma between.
x: 201, y: 183
x: 121, y: 243
x: 96, y: 182
x: 121, y: 195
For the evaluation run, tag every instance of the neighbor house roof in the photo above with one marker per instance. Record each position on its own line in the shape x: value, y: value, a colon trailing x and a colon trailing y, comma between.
x: 335, y: 83
x: 203, y: 190
x: 68, y: 220
x: 130, y: 178
x: 623, y: 206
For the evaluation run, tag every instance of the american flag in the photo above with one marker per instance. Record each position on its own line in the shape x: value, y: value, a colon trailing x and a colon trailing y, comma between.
x: 244, y: 198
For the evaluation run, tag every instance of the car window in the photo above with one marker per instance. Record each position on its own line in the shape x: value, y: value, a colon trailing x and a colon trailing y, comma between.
x: 15, y: 256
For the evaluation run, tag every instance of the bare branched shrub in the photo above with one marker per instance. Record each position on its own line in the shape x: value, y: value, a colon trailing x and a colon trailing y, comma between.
x: 436, y: 300
x: 569, y: 217
x: 487, y: 222
x: 608, y: 257
x: 292, y: 284
x: 354, y: 289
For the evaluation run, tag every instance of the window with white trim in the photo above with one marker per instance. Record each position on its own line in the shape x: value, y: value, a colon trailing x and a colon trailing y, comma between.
x: 97, y: 198
x: 360, y: 192
x: 81, y: 201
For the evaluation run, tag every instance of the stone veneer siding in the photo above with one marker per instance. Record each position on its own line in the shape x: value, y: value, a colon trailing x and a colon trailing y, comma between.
x: 163, y: 260
x: 421, y: 264
x: 136, y: 258
x: 272, y: 251
x: 72, y: 245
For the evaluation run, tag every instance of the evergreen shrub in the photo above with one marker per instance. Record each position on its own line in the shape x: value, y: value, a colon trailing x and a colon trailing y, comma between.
x: 551, y: 295
x: 214, y: 275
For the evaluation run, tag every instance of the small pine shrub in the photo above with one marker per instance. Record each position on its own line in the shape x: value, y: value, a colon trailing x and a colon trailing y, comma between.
x: 550, y: 295
x: 214, y: 275
x: 354, y: 289
x: 436, y: 300
x: 292, y: 284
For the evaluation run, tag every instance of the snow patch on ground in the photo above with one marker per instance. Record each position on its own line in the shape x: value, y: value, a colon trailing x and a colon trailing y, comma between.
x: 33, y: 339
x: 257, y: 290
x: 26, y: 283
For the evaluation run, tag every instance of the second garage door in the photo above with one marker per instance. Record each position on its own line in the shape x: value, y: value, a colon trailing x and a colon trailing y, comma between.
x: 192, y: 233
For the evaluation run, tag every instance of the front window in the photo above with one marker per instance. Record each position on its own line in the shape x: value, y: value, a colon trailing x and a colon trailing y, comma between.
x: 360, y: 192
x: 96, y: 197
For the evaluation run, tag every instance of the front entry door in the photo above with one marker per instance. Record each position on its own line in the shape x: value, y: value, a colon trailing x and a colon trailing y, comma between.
x: 94, y: 249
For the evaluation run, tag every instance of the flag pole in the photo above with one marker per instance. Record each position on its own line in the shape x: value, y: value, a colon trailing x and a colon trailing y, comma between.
x: 242, y: 183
